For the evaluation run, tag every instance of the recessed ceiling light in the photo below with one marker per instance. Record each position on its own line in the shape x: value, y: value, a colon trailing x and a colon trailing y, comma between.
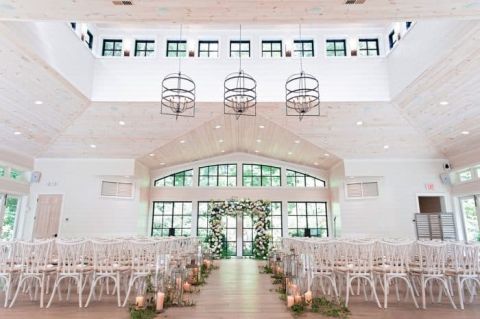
x: 297, y: 141
x: 259, y: 141
x: 256, y: 151
x: 444, y: 103
x: 38, y: 102
x: 182, y: 141
x: 151, y: 155
x: 122, y: 123
x: 17, y: 133
x: 465, y: 132
x: 220, y: 141
x: 326, y: 155
x: 316, y: 164
x: 261, y: 126
x: 289, y: 153
x: 386, y: 147
x: 218, y: 126
x: 223, y: 151
x: 93, y: 146
x: 162, y: 163
x: 359, y: 123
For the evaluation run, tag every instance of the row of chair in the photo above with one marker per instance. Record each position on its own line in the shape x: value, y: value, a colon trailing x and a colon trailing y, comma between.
x: 30, y: 267
x: 386, y: 262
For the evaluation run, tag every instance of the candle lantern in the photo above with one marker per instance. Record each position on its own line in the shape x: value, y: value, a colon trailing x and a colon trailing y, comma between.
x: 175, y: 291
x: 139, y: 302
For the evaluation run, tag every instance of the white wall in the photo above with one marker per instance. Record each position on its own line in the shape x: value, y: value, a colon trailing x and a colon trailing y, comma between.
x: 139, y: 79
x: 400, y: 182
x: 85, y: 212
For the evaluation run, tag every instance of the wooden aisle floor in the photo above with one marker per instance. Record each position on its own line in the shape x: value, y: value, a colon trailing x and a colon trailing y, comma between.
x: 236, y: 291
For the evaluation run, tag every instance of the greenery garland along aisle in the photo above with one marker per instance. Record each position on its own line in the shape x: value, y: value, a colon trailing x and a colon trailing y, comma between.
x: 259, y: 210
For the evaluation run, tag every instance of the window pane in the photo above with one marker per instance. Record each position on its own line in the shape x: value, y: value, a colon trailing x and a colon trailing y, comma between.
x: 222, y: 181
x: 234, y: 46
x: 275, y: 181
x: 232, y: 170
x: 256, y: 181
x: 340, y: 45
x: 203, y: 181
x: 203, y: 171
x: 256, y: 171
x: 247, y: 170
x: 222, y: 169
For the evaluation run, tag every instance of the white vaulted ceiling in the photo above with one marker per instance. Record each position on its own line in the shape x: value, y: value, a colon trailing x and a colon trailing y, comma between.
x: 235, y: 11
x: 413, y: 124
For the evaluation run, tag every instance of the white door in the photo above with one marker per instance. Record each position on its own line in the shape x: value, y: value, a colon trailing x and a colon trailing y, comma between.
x: 47, y: 217
x: 470, y: 206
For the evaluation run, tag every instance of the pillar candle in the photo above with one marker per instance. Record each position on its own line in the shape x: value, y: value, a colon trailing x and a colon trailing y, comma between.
x: 290, y: 301
x: 160, y: 300
x: 308, y: 297
x: 139, y: 301
x: 298, y: 299
x: 293, y: 288
x: 178, y: 282
x: 186, y: 287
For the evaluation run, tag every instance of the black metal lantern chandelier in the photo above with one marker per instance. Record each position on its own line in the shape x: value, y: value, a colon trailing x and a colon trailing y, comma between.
x: 178, y: 93
x: 240, y: 91
x: 302, y: 93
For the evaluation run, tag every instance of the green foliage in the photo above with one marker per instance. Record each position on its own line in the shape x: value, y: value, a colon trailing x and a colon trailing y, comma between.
x: 330, y: 308
x: 267, y: 269
x: 141, y: 313
x: 298, y: 309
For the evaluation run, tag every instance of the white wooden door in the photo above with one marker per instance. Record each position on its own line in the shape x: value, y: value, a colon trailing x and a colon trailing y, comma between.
x: 47, y: 217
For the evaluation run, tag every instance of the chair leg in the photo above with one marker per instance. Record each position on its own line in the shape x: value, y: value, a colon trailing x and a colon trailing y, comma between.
x: 20, y: 283
x: 92, y: 290
x: 423, y: 287
x: 55, y: 289
x: 117, y: 284
x: 447, y: 291
x: 410, y: 288
x: 347, y: 294
x: 7, y: 291
x: 42, y: 290
x: 80, y: 290
x: 460, y: 292
x: 130, y: 284
x: 372, y: 284
x: 386, y: 290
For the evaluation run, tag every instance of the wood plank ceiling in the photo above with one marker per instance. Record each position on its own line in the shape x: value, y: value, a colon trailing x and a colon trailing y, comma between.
x: 234, y: 11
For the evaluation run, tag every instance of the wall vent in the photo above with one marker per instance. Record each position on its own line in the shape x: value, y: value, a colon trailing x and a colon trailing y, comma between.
x: 122, y: 3
x: 358, y: 190
x: 355, y: 1
x: 117, y: 189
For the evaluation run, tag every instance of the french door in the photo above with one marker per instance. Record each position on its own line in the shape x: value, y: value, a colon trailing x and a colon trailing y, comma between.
x: 470, y: 206
x: 9, y: 209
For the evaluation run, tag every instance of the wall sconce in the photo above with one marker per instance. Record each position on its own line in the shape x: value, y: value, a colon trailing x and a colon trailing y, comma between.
x: 191, y: 49
x: 288, y: 48
x: 353, y: 44
x: 126, y: 47
x: 398, y: 28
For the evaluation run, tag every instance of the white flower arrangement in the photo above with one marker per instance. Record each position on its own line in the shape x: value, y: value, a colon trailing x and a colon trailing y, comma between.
x: 259, y: 210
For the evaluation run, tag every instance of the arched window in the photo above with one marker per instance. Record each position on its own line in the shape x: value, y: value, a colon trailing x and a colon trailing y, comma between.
x: 297, y: 179
x: 184, y: 178
x: 261, y: 175
x: 224, y: 175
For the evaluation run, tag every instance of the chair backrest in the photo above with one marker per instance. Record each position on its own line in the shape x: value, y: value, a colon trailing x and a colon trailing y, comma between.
x: 465, y: 257
x: 323, y: 255
x: 358, y: 256
x: 33, y: 257
x: 71, y: 256
x: 108, y: 255
x: 432, y: 257
x: 143, y: 256
x: 394, y: 256
x: 7, y: 256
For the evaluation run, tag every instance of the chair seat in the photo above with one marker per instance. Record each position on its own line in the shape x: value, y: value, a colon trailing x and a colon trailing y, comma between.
x: 386, y: 269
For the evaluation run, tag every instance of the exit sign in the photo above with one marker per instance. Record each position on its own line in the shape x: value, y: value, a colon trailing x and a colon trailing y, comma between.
x: 429, y: 187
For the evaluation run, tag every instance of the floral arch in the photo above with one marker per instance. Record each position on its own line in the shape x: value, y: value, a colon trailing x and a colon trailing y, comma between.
x: 259, y: 210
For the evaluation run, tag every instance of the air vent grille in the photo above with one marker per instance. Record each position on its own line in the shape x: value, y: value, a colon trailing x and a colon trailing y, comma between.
x: 361, y: 190
x: 122, y: 3
x: 355, y: 1
x: 116, y: 189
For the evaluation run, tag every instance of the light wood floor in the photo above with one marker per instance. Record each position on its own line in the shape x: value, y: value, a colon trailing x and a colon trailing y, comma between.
x: 236, y: 291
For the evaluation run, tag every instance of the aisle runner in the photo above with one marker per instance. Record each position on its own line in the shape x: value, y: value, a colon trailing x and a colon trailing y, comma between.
x: 236, y: 290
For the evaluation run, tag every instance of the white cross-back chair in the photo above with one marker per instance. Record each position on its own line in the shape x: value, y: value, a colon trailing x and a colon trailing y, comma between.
x: 7, y: 267
x: 143, y: 261
x: 431, y: 268
x: 73, y: 264
x: 108, y: 263
x: 323, y: 264
x: 392, y: 263
x: 33, y: 266
x: 357, y: 263
x: 465, y: 268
